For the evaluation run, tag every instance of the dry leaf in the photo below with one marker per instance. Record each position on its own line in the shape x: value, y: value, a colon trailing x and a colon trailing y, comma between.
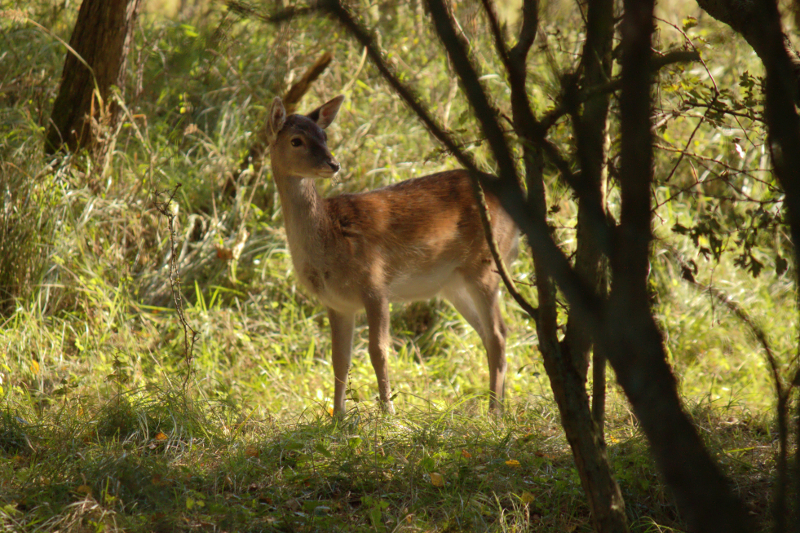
x: 437, y: 479
x: 226, y: 254
x: 251, y: 451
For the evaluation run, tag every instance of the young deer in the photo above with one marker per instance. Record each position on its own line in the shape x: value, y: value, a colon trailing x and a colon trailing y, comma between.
x: 408, y: 241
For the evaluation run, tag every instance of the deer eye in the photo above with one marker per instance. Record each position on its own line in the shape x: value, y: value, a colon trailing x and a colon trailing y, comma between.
x: 297, y: 142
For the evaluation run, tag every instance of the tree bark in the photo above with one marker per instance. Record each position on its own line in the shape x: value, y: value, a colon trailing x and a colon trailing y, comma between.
x: 590, y: 132
x: 84, y: 113
x: 633, y: 342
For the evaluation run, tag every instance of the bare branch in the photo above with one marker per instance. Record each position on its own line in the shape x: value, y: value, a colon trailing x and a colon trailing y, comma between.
x: 656, y: 64
x: 527, y: 34
x: 781, y: 392
x: 497, y: 34
x: 457, y: 52
x: 174, y: 279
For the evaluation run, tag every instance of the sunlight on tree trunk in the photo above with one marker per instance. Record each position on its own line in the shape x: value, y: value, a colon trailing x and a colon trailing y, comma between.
x: 85, y: 115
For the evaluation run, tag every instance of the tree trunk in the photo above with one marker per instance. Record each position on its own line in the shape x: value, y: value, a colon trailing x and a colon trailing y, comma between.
x: 84, y: 113
x: 632, y: 340
x: 567, y: 373
x: 590, y: 132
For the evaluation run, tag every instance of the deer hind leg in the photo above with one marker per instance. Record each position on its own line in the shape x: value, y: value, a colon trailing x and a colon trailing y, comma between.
x: 478, y: 303
x: 379, y: 343
x: 342, y: 347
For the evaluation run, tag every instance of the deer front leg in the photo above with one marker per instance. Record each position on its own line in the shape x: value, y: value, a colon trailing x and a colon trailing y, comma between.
x: 379, y: 342
x: 342, y: 347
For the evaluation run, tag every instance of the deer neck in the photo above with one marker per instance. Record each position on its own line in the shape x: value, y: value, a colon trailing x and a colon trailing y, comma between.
x: 304, y: 215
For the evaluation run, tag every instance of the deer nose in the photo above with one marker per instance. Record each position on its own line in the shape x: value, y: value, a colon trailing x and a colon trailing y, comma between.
x: 335, y: 166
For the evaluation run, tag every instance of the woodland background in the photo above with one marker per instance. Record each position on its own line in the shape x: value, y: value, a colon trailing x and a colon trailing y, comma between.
x: 109, y: 423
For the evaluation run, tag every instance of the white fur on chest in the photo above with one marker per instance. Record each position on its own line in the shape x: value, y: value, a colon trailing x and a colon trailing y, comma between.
x: 421, y: 284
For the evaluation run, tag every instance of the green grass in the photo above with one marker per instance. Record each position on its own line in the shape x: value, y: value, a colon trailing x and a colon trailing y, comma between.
x: 154, y: 459
x: 100, y: 429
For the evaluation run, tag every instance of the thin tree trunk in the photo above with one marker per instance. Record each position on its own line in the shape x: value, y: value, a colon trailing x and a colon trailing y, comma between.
x: 84, y: 113
x: 569, y: 390
x: 634, y: 344
x: 590, y: 132
x: 567, y: 376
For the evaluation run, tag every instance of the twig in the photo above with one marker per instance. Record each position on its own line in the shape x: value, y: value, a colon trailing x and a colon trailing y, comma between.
x: 174, y: 279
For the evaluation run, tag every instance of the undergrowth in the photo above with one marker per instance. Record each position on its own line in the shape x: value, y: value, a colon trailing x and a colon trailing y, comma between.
x: 158, y: 459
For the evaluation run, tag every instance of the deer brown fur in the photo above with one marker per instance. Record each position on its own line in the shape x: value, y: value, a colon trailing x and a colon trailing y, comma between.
x: 409, y: 241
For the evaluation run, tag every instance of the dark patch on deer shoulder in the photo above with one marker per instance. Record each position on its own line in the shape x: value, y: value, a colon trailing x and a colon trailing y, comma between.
x: 344, y: 212
x: 313, y: 277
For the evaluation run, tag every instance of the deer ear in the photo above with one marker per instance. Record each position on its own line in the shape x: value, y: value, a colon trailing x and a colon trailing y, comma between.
x: 277, y: 118
x: 325, y: 114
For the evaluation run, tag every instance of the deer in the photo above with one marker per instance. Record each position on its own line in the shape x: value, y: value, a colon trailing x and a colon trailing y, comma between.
x: 412, y: 240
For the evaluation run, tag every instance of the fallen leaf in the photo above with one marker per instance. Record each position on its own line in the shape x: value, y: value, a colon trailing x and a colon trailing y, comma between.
x: 251, y: 451
x: 437, y: 479
x: 226, y: 254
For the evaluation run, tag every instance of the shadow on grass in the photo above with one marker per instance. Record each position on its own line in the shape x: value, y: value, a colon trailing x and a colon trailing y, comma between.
x: 158, y: 462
